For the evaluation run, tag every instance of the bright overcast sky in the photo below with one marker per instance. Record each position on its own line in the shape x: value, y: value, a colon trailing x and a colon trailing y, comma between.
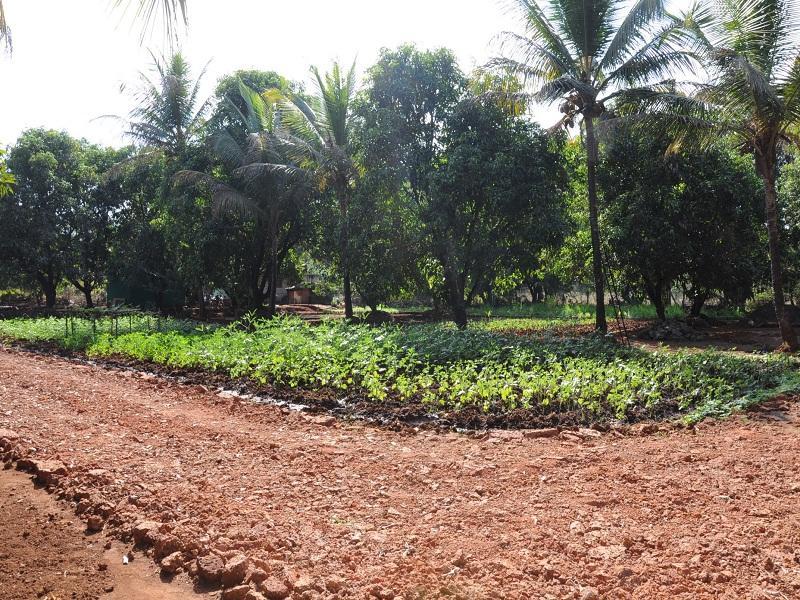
x: 71, y: 56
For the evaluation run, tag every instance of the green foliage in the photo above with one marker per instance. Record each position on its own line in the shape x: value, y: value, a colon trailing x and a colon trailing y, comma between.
x: 169, y: 115
x: 789, y: 191
x: 6, y: 178
x: 56, y: 224
x: 687, y: 218
x: 446, y: 368
x: 482, y: 184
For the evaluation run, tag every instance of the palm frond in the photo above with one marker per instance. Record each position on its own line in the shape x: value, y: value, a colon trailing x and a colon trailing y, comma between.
x: 228, y: 199
x: 562, y: 86
x: 630, y: 32
x: 790, y: 85
x: 588, y: 24
x: 543, y: 32
x: 167, y: 114
x: 170, y: 13
x: 664, y: 109
x: 656, y: 59
x: 5, y: 31
x: 528, y: 56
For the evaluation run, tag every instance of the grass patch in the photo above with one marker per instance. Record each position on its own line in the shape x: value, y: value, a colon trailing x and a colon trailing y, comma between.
x: 442, y: 367
x: 584, y: 313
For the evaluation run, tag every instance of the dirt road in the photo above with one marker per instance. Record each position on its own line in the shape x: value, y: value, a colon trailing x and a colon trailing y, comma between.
x: 306, y: 507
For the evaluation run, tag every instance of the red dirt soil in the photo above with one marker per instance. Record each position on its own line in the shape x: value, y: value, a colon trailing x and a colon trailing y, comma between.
x: 326, y: 509
x: 45, y: 554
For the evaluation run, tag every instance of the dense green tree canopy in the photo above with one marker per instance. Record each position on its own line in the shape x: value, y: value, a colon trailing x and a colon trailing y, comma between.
x: 690, y: 219
x: 56, y: 222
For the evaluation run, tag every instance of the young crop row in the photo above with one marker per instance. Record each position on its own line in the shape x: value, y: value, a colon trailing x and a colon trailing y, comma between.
x: 446, y: 368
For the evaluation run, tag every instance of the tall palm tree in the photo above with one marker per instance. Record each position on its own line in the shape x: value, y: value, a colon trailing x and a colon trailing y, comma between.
x: 587, y: 54
x: 752, y: 52
x: 146, y: 11
x: 261, y: 188
x: 169, y: 115
x: 316, y: 135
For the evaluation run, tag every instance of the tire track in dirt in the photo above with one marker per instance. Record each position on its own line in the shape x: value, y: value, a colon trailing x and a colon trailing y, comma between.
x: 298, y: 506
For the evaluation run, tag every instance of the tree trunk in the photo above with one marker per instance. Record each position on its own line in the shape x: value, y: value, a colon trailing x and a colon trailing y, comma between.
x: 457, y: 304
x: 273, y: 268
x: 655, y: 293
x: 698, y: 302
x: 344, y: 242
x: 788, y: 333
x: 202, y: 299
x: 87, y: 294
x: 49, y: 289
x: 49, y: 296
x: 597, y: 256
x: 455, y: 289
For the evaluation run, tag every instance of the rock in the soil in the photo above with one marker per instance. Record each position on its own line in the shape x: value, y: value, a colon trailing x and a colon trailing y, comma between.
x: 588, y: 593
x: 172, y: 563
x: 240, y: 592
x: 99, y: 474
x: 95, y: 523
x: 47, y: 471
x: 274, y: 589
x: 541, y: 433
x: 584, y: 432
x: 335, y: 584
x: 164, y: 544
x: 644, y: 429
x: 210, y: 568
x: 304, y: 583
x: 145, y: 532
x: 8, y: 439
x: 324, y: 420
x: 258, y: 575
x: 235, y: 571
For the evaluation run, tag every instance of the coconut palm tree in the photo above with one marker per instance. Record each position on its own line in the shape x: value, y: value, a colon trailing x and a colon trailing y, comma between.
x: 316, y: 136
x: 262, y: 187
x: 587, y: 55
x: 752, y: 52
x: 146, y: 11
x: 169, y: 115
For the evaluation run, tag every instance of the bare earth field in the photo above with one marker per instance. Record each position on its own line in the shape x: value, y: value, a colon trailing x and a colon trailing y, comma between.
x: 278, y: 504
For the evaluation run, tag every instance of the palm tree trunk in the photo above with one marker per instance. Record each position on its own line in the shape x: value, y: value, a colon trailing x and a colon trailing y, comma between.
x: 597, y: 257
x: 788, y: 333
x: 345, y: 254
x: 273, y: 268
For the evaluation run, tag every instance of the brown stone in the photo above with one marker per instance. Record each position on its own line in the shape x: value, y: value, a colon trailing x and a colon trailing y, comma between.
x: 274, y: 589
x: 164, y: 545
x: 258, y: 575
x: 235, y: 571
x: 172, y: 563
x: 240, y: 592
x: 145, y: 532
x: 334, y: 584
x: 8, y: 439
x: 210, y: 568
x: 47, y: 471
x: 95, y: 523
x: 541, y: 433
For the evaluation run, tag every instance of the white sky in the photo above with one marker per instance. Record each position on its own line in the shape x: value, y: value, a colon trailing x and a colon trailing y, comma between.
x: 71, y: 56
